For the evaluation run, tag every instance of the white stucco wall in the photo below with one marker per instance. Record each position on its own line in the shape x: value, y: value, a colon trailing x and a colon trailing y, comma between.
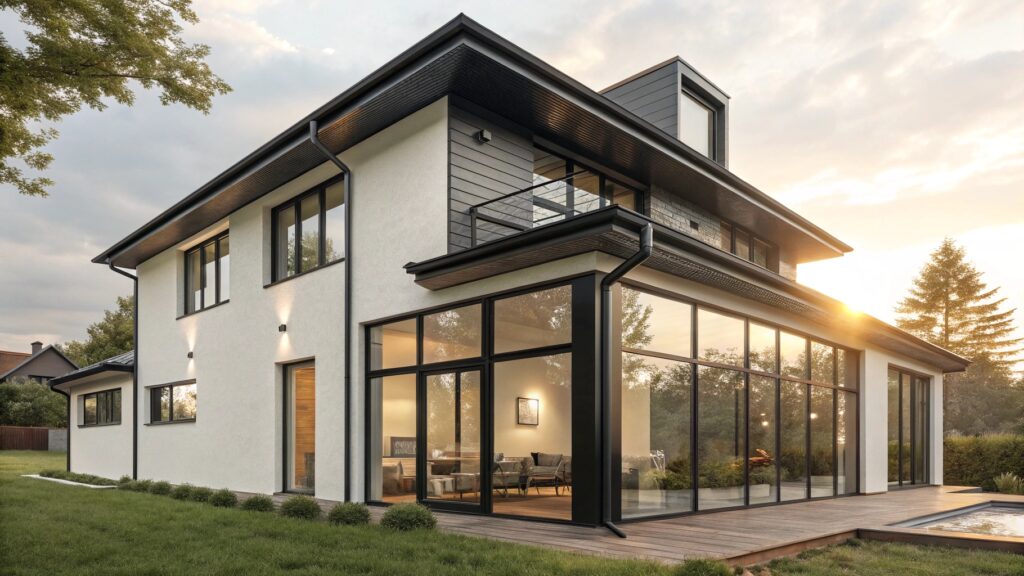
x: 102, y: 450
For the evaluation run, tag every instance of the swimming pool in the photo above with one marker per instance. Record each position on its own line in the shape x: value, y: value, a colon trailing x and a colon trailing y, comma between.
x: 995, y: 519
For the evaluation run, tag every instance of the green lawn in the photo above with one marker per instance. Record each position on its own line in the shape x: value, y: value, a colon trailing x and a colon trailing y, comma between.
x: 49, y: 528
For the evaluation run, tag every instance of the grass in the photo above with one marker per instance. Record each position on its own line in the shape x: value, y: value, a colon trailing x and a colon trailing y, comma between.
x: 50, y: 528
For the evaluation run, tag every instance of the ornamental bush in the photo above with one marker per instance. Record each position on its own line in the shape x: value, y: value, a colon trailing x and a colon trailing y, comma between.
x: 1009, y: 483
x: 349, y: 514
x: 224, y: 498
x: 182, y: 492
x: 408, y: 516
x: 977, y: 460
x: 201, y: 494
x: 301, y: 507
x: 160, y: 488
x: 258, y: 503
x: 143, y: 485
x: 76, y: 477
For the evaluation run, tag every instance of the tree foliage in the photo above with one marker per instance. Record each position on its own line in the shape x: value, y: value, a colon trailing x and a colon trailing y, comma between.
x: 951, y: 305
x: 85, y: 53
x: 111, y: 336
x: 26, y: 402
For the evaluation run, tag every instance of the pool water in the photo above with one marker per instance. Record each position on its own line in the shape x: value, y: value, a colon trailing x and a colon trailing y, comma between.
x: 995, y: 520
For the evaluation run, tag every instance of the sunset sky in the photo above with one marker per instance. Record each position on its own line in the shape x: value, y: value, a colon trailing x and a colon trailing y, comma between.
x: 891, y: 125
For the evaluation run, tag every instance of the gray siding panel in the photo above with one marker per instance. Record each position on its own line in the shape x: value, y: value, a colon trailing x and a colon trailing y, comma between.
x: 481, y: 172
x: 653, y: 97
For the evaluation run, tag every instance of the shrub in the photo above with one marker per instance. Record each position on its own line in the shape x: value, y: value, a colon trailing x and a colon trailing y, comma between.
x: 124, y: 480
x: 349, y: 514
x: 76, y: 477
x: 182, y: 492
x: 300, y: 507
x: 1009, y: 483
x: 258, y: 503
x: 143, y: 485
x: 132, y: 486
x: 160, y: 488
x: 224, y: 498
x: 701, y: 567
x: 201, y: 494
x: 977, y: 460
x: 408, y: 517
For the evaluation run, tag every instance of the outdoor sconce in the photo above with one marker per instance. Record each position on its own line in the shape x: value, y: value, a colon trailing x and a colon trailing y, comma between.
x: 483, y: 136
x: 190, y: 354
x: 282, y: 328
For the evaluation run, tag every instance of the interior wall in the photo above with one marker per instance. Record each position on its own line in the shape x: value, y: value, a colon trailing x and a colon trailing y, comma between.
x: 531, y: 379
x: 398, y: 416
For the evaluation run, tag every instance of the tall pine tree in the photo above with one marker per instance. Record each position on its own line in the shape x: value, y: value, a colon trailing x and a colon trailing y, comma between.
x: 951, y: 305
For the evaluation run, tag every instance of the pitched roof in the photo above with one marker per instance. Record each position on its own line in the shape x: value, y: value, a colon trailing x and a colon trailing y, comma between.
x: 32, y: 357
x: 124, y: 362
x: 9, y: 360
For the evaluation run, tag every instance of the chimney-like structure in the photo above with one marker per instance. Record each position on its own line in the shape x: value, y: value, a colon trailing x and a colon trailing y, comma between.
x: 37, y: 347
x: 680, y: 101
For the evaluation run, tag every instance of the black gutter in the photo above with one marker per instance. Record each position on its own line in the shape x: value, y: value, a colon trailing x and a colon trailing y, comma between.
x: 645, y: 251
x: 315, y: 139
x: 135, y: 371
x: 90, y: 371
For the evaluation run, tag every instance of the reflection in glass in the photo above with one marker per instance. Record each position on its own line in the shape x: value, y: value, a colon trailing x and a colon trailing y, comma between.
x: 657, y: 476
x: 534, y: 320
x: 822, y: 449
x: 763, y: 456
x: 719, y: 338
x: 793, y: 450
x: 741, y: 244
x: 210, y: 274
x: 393, y: 401
x: 846, y: 362
x: 533, y: 462
x: 393, y: 345
x: 90, y: 409
x: 284, y: 252
x: 452, y: 334
x: 920, y: 435
x: 453, y: 436
x: 184, y: 402
x: 822, y: 363
x: 906, y: 404
x: 762, y: 348
x: 794, y: 355
x: 334, y: 222
x: 193, y: 296
x: 309, y: 209
x: 893, y: 408
x: 225, y: 269
x: 846, y: 442
x: 720, y: 438
x: 651, y: 322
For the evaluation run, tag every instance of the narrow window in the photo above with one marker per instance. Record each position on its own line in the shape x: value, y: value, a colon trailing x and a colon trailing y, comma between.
x: 207, y: 269
x: 697, y: 122
x: 100, y: 408
x: 173, y: 403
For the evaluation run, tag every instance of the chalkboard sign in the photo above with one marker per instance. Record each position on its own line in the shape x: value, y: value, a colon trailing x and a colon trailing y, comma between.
x: 403, y: 447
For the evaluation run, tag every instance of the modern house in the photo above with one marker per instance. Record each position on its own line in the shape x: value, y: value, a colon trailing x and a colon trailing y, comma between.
x: 41, y: 364
x: 471, y: 281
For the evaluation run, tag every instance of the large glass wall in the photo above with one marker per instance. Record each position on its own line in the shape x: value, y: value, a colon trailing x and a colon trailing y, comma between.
x: 442, y: 383
x: 720, y: 411
x: 908, y: 428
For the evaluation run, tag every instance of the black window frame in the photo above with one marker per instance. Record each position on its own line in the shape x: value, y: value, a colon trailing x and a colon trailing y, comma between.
x: 102, y: 396
x: 200, y: 251
x: 320, y: 190
x: 916, y: 378
x: 771, y: 252
x: 714, y: 109
x: 154, y: 403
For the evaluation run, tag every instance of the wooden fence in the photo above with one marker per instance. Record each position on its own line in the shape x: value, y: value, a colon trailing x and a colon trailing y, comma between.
x: 24, y: 438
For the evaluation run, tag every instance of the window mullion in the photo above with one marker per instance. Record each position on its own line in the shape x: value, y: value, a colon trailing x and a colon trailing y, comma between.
x: 297, y: 210
x: 321, y: 257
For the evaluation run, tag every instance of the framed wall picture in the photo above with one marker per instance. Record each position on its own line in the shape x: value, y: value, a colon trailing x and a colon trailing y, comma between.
x: 403, y: 446
x: 528, y: 411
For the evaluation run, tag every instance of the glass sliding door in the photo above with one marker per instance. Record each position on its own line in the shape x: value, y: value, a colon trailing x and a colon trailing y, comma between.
x: 793, y: 448
x: 720, y: 438
x: 761, y: 463
x: 393, y: 476
x: 908, y: 428
x: 453, y: 436
x: 300, y: 400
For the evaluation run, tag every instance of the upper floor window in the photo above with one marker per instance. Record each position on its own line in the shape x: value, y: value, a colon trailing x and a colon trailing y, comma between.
x: 173, y: 403
x: 744, y: 245
x: 208, y: 273
x: 101, y: 408
x: 309, y: 230
x: 697, y: 124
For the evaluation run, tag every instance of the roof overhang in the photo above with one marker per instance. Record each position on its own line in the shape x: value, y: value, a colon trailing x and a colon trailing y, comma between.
x: 615, y: 231
x: 466, y: 60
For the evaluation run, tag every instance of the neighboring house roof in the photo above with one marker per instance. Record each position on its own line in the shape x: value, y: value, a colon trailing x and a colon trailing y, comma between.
x: 464, y: 60
x: 9, y: 360
x: 121, y: 363
x: 23, y: 367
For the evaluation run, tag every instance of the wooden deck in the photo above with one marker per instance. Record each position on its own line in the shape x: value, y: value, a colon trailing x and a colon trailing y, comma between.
x: 740, y: 536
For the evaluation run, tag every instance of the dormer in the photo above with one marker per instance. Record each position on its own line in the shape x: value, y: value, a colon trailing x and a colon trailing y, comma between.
x: 680, y: 101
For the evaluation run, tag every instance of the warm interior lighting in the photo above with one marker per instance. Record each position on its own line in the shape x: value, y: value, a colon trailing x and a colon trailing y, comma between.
x: 814, y: 416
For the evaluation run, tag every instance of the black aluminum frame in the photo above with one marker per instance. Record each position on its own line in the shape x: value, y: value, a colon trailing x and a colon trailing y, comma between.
x: 154, y: 403
x: 585, y: 423
x: 807, y: 382
x: 106, y: 393
x: 200, y: 251
x: 915, y: 378
x: 320, y: 190
x: 771, y: 253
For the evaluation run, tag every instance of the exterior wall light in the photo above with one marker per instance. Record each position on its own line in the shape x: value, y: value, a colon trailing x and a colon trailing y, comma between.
x: 282, y: 328
x: 190, y: 354
x: 483, y: 136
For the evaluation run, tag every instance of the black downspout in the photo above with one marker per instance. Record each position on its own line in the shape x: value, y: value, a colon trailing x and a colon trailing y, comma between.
x: 646, y: 247
x: 315, y: 139
x: 135, y: 372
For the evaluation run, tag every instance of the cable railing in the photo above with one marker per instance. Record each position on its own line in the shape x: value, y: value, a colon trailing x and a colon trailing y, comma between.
x: 543, y: 203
